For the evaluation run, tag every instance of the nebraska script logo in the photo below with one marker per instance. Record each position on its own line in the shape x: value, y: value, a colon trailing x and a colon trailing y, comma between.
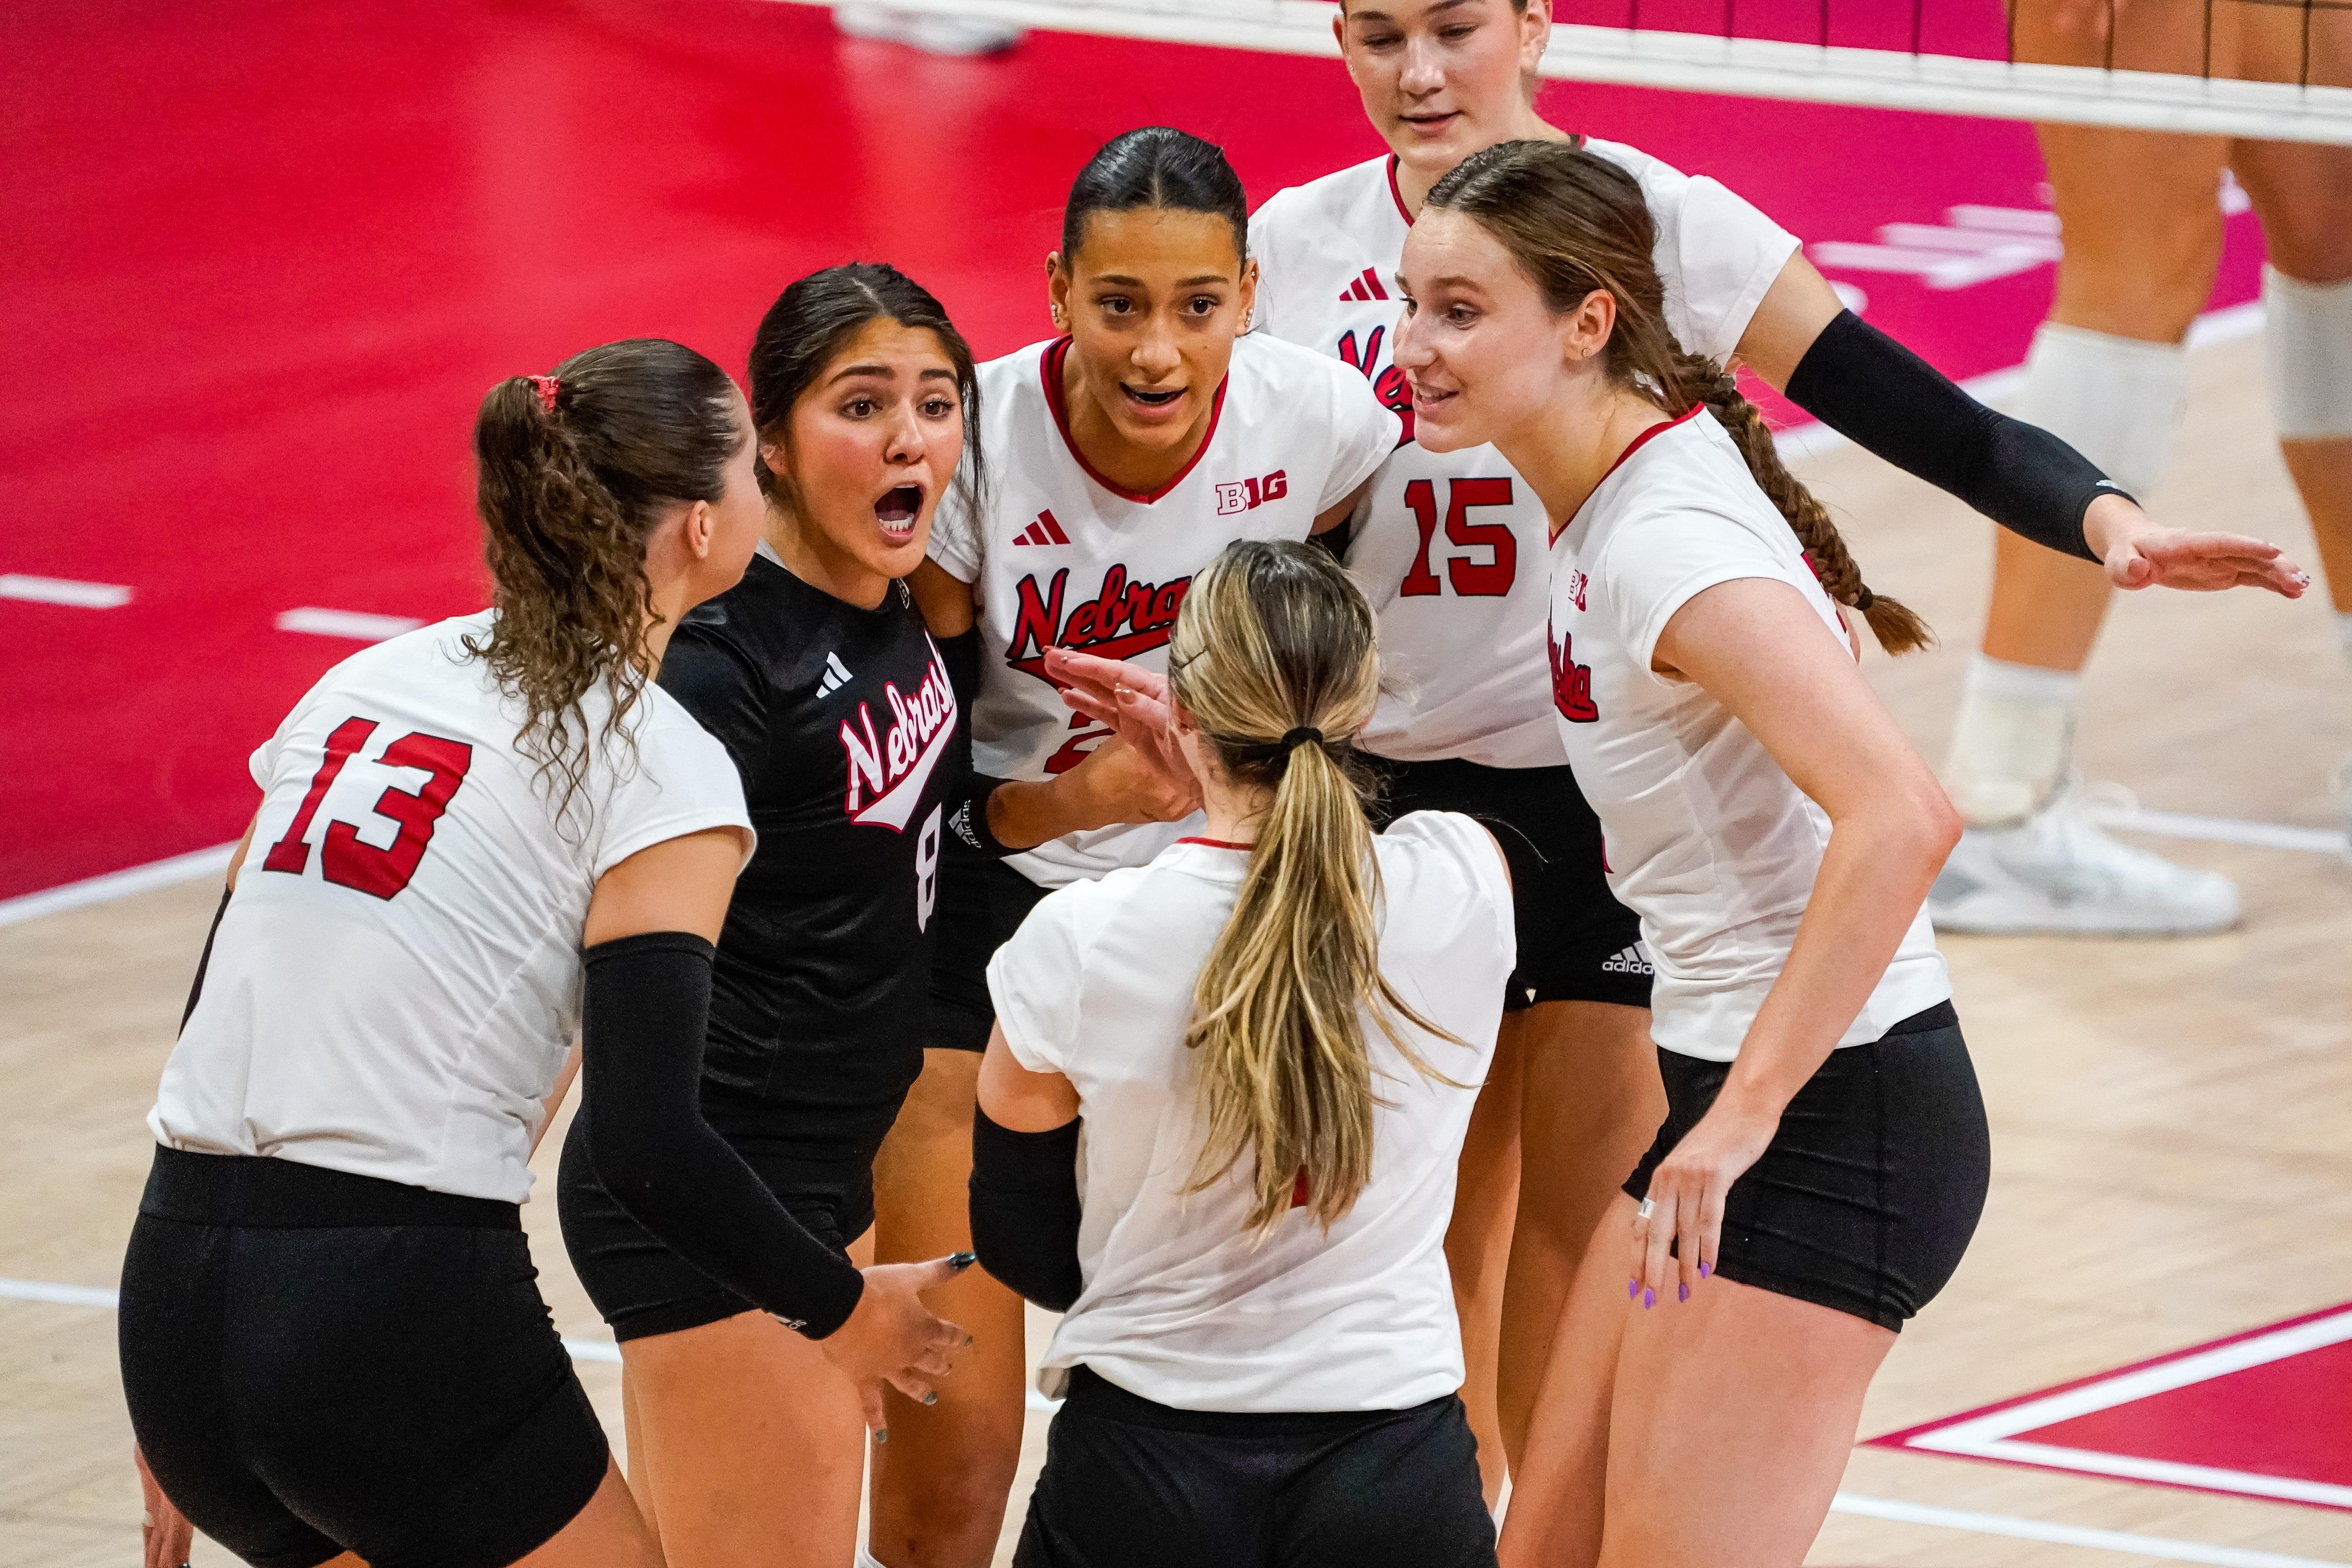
x: 893, y: 766
x: 1571, y: 683
x: 1120, y: 620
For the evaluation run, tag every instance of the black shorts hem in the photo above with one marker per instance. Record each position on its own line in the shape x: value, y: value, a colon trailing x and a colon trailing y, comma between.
x: 677, y: 1317
x: 555, y: 1460
x: 1811, y: 1290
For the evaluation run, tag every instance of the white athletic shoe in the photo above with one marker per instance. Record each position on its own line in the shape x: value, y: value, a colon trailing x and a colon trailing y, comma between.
x: 936, y: 35
x: 2057, y: 874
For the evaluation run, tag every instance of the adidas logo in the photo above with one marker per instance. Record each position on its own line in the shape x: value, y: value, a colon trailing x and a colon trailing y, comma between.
x: 836, y: 676
x: 1628, y: 961
x: 1043, y: 531
x: 1366, y: 286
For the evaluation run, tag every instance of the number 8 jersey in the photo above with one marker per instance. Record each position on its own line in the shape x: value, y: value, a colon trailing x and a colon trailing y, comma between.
x: 1450, y: 547
x: 1058, y: 555
x: 392, y: 987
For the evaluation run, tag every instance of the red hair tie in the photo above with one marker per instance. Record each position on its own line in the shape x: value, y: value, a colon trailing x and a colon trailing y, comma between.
x: 548, y: 387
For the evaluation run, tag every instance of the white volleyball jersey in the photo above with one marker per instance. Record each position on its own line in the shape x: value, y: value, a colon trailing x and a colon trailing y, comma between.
x: 396, y: 980
x: 1058, y: 555
x: 1450, y: 547
x: 1179, y: 1305
x: 1704, y: 837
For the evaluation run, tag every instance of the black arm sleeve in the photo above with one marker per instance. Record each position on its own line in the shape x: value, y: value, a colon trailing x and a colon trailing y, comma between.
x: 1872, y: 390
x: 648, y: 1001
x: 967, y: 797
x: 204, y: 960
x: 1025, y: 1209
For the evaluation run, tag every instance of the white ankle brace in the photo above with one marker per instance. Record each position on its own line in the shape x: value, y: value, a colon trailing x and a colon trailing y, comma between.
x: 2012, y: 741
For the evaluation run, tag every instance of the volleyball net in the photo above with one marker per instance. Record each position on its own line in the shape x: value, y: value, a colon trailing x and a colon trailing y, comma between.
x: 2181, y: 66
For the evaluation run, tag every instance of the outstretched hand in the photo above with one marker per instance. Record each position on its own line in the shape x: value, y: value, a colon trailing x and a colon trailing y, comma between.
x: 1132, y: 703
x: 2140, y: 552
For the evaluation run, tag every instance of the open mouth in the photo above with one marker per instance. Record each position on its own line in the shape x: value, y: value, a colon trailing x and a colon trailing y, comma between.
x: 1430, y: 125
x: 1426, y: 398
x: 898, y: 509
x: 1151, y: 398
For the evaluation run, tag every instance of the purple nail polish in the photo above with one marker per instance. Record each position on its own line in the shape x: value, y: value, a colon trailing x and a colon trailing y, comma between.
x: 1649, y: 1300
x: 1632, y: 1289
x: 1702, y: 1268
x: 1685, y: 1292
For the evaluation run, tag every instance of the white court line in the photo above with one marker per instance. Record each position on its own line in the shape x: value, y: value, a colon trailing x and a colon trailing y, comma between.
x: 64, y: 591
x: 357, y: 624
x: 1845, y: 1502
x: 1994, y: 1436
x: 189, y: 867
x: 2223, y: 829
x: 99, y: 1296
x: 2068, y: 1534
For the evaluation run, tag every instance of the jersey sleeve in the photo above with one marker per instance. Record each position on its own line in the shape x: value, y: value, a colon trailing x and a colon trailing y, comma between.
x: 1729, y: 252
x: 717, y: 683
x: 680, y: 780
x: 1657, y: 563
x: 1035, y: 980
x: 1363, y: 434
x: 956, y: 528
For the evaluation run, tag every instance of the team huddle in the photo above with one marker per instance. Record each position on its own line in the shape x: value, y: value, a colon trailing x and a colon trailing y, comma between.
x: 1323, y: 823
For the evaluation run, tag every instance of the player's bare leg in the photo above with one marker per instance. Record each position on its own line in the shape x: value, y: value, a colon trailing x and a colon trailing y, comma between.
x: 1591, y: 1104
x: 1478, y: 1241
x: 2143, y: 231
x: 746, y: 1444
x: 941, y: 1482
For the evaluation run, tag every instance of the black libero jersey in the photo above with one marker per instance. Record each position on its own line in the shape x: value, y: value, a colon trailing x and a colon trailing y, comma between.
x: 847, y: 734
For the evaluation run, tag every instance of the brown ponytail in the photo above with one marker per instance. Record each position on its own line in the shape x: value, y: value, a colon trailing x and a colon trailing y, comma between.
x: 1575, y: 222
x: 575, y: 469
x: 1273, y: 656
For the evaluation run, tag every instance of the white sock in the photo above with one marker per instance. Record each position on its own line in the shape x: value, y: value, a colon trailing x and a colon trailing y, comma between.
x: 2117, y: 401
x: 2344, y: 631
x: 2012, y: 741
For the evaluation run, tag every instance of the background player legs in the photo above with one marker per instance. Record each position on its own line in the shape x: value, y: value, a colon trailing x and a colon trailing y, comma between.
x: 746, y: 1444
x: 1478, y: 1241
x: 942, y: 1481
x: 1591, y: 1104
x: 2303, y: 195
x: 2140, y: 215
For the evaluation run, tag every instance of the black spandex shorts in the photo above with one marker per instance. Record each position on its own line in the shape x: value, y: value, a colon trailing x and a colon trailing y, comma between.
x: 1868, y: 1195
x: 640, y: 1286
x: 1577, y: 942
x: 317, y: 1362
x: 1130, y: 1484
x: 981, y: 903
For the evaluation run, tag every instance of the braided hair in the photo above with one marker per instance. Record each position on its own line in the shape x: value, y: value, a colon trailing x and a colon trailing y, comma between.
x: 1574, y: 221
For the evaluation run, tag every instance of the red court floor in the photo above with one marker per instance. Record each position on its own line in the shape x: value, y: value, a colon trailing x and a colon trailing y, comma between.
x: 263, y: 261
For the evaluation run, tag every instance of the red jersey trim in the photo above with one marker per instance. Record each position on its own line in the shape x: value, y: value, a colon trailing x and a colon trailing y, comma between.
x: 1643, y: 439
x: 1050, y: 363
x: 1396, y: 195
x: 1216, y: 843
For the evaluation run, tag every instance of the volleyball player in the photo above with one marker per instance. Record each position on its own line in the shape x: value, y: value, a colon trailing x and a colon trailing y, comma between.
x: 2109, y: 372
x: 332, y: 1344
x: 1123, y: 457
x: 1449, y: 549
x: 1824, y: 1157
x: 844, y: 721
x: 1269, y: 1039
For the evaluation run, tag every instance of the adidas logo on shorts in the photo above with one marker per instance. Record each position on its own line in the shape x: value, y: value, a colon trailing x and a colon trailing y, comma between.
x: 1628, y: 961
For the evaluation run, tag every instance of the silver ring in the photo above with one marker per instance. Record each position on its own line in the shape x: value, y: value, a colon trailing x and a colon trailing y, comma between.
x: 1646, y: 1209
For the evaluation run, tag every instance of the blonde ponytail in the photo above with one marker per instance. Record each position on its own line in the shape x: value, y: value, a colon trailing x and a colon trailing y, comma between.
x: 1274, y: 659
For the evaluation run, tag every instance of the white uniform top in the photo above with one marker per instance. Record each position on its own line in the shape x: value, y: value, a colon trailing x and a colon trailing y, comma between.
x: 1180, y: 1306
x: 1450, y: 547
x: 1707, y: 839
x: 1060, y: 555
x: 397, y: 980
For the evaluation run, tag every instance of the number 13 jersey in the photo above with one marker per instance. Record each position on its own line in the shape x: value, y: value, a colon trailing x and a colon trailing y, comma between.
x: 1450, y: 547
x: 393, y: 985
x: 1058, y: 555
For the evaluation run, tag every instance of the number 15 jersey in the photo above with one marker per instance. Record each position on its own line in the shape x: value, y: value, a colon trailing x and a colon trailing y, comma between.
x: 1450, y: 547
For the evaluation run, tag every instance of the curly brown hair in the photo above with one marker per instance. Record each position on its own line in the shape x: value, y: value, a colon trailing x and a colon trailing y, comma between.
x: 1575, y: 222
x: 571, y: 482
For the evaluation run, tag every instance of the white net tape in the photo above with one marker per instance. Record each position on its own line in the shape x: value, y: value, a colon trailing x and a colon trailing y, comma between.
x: 1757, y: 67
